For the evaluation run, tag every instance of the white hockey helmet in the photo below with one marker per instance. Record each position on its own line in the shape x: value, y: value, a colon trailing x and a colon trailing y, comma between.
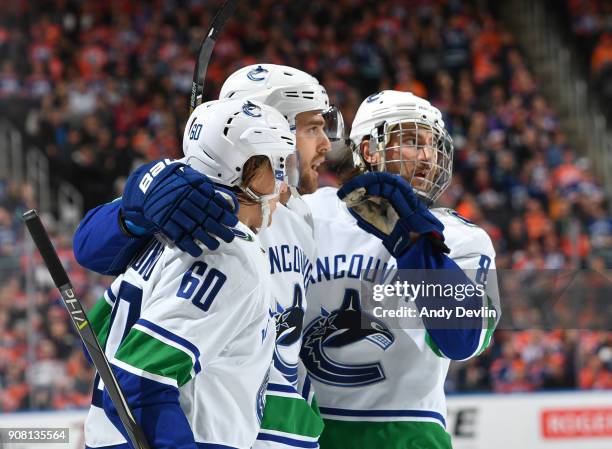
x: 220, y: 136
x: 390, y: 112
x: 287, y: 89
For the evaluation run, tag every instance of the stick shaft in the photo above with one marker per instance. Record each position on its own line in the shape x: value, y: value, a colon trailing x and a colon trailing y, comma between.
x: 206, y: 49
x: 83, y: 327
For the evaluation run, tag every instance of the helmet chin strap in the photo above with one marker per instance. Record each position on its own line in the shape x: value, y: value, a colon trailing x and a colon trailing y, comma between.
x: 264, y: 202
x: 265, y: 215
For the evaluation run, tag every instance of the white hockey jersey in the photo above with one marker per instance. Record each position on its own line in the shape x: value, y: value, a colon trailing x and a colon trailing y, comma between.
x: 289, y: 420
x: 369, y: 373
x: 202, y: 325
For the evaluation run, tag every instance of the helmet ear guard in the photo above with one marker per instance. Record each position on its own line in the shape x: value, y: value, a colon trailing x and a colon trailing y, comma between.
x: 375, y: 144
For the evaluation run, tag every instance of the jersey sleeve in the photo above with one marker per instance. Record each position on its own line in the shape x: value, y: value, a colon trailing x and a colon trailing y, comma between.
x: 99, y: 317
x: 466, y: 334
x: 478, y: 264
x: 99, y: 243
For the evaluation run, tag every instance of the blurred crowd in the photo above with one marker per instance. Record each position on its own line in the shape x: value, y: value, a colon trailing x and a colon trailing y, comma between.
x: 591, y: 22
x: 106, y: 85
x: 41, y: 360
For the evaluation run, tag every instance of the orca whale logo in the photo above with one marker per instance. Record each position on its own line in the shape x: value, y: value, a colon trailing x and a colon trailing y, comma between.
x: 257, y: 74
x: 242, y: 235
x: 289, y: 323
x: 342, y: 327
x: 251, y: 109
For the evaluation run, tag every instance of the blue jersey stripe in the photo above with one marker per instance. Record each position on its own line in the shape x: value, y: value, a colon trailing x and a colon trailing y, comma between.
x: 281, y: 388
x: 306, y: 388
x: 213, y: 446
x: 383, y: 413
x: 288, y: 441
x: 111, y: 295
x: 176, y: 339
x: 198, y: 445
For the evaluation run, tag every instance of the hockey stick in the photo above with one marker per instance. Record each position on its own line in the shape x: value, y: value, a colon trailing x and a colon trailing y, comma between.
x: 83, y: 326
x: 205, y: 51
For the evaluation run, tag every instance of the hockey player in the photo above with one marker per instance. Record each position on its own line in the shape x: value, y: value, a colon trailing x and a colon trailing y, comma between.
x: 289, y: 420
x: 378, y: 384
x: 191, y: 338
x: 131, y: 220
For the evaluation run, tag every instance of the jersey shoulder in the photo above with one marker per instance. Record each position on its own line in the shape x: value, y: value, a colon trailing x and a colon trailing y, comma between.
x: 292, y: 228
x: 463, y: 237
x: 300, y: 210
x: 325, y: 205
x: 240, y: 262
x: 286, y: 218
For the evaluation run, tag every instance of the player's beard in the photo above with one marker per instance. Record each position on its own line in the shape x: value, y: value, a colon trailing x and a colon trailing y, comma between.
x: 309, y: 181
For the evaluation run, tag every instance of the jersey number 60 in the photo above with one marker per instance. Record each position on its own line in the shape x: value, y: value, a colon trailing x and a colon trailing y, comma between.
x: 209, y: 285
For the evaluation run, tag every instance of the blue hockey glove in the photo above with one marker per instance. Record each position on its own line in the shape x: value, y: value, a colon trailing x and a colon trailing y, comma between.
x: 386, y: 206
x: 180, y: 203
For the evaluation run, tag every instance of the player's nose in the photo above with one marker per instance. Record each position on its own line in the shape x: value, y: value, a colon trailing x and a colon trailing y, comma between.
x: 324, y: 144
x: 425, y: 152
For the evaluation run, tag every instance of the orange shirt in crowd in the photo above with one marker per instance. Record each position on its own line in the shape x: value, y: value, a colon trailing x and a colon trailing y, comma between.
x: 602, y: 54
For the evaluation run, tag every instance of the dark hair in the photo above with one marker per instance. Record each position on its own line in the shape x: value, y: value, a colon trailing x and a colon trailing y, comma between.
x: 250, y: 170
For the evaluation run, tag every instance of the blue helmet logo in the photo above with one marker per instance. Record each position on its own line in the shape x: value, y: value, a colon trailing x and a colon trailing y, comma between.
x: 372, y: 98
x: 257, y: 74
x: 251, y: 109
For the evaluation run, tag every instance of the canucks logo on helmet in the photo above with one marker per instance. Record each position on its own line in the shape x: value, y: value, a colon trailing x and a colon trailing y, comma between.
x: 257, y: 74
x: 251, y: 109
x: 372, y: 98
x: 347, y: 325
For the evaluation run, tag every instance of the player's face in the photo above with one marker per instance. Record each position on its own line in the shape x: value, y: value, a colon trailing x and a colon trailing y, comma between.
x: 262, y: 184
x: 410, y: 153
x: 311, y: 144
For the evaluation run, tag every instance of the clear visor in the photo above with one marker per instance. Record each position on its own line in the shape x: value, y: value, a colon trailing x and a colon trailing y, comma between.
x: 419, y: 151
x: 334, y: 124
x: 292, y: 169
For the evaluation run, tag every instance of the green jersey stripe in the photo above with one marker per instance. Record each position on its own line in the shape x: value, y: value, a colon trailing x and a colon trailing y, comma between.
x: 145, y: 352
x: 485, y: 341
x: 290, y: 415
x: 491, y: 324
x: 390, y: 435
x: 432, y: 345
x: 99, y: 317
